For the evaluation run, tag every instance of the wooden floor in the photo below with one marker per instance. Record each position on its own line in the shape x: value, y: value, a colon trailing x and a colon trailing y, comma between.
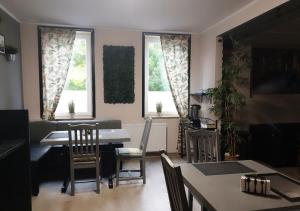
x: 129, y: 196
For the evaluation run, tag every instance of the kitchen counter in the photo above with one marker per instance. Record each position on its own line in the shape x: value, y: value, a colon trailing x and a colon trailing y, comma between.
x: 9, y: 146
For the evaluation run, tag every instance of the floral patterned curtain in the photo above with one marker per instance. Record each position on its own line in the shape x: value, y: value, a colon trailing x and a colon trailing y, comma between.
x: 57, y: 46
x: 176, y: 56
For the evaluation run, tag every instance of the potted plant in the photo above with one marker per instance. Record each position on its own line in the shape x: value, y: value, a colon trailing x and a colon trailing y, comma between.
x: 10, y: 53
x: 71, y: 106
x: 158, y: 108
x: 228, y: 100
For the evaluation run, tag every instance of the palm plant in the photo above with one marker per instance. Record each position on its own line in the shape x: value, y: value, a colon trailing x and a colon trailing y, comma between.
x: 227, y: 97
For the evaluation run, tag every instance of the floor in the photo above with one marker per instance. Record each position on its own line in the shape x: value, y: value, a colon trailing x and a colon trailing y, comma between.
x: 130, y: 195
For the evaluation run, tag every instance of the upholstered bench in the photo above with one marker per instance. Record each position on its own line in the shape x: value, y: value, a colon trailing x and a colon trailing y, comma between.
x: 37, y: 152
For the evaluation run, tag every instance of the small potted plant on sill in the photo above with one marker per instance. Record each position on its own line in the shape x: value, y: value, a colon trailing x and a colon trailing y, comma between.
x: 71, y: 106
x: 10, y: 53
x: 158, y: 108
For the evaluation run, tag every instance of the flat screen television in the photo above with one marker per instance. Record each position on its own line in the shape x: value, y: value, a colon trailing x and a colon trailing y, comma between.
x: 275, y: 71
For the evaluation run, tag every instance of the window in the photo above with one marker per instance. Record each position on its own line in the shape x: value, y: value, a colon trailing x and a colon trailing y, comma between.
x: 156, y: 84
x: 79, y: 84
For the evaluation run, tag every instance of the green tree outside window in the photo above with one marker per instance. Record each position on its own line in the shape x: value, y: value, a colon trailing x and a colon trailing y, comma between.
x: 77, y: 71
x: 157, y: 75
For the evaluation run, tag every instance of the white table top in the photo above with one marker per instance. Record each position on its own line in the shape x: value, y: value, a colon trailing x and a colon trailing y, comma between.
x: 105, y: 136
x: 222, y: 192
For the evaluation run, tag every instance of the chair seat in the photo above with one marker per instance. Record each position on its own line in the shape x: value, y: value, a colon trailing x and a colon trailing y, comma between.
x: 84, y: 158
x: 129, y: 152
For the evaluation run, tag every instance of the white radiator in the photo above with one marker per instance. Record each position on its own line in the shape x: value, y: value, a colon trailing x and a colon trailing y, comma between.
x: 157, y: 138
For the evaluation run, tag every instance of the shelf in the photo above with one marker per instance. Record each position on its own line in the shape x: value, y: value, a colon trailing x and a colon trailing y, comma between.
x: 201, y: 94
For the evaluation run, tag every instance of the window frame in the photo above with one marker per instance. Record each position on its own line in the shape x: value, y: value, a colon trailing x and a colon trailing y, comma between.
x: 144, y: 34
x: 92, y: 67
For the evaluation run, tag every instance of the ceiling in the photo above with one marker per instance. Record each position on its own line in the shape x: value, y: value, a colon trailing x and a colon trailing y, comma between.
x: 148, y: 15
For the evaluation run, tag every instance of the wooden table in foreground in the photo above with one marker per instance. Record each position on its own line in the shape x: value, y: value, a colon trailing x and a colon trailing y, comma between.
x: 222, y: 192
x: 62, y: 138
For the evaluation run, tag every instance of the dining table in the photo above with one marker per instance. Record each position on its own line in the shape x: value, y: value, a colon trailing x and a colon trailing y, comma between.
x: 216, y: 185
x: 107, y: 136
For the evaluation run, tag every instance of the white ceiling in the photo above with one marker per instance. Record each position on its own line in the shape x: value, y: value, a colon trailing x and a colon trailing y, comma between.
x: 147, y: 15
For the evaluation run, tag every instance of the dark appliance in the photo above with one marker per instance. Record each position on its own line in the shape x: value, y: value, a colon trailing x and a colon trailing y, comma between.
x: 194, y: 115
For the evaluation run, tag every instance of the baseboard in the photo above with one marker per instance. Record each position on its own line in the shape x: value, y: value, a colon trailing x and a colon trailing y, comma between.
x: 157, y: 153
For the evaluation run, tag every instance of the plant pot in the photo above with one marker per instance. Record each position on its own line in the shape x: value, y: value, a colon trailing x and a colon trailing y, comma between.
x: 158, y: 113
x: 228, y: 157
x: 72, y: 115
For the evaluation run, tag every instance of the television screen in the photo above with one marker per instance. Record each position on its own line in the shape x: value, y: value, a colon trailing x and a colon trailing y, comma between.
x: 275, y: 71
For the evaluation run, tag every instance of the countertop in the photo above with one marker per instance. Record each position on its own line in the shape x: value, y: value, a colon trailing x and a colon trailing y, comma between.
x: 9, y: 146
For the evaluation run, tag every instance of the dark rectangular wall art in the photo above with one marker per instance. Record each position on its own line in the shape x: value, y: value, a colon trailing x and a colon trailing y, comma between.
x: 118, y: 68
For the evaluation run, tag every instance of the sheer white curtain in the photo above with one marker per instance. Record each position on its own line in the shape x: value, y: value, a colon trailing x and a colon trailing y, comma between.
x: 176, y: 57
x: 56, y: 45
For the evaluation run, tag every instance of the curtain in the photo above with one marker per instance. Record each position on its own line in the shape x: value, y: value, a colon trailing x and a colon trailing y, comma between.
x: 57, y: 46
x: 176, y: 56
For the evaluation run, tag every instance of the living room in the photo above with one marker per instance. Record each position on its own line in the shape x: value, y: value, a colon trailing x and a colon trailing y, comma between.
x: 131, y: 24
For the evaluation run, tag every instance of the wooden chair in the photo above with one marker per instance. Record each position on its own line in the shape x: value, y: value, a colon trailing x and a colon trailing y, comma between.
x: 134, y: 154
x: 206, y: 147
x: 84, y: 150
x: 175, y: 186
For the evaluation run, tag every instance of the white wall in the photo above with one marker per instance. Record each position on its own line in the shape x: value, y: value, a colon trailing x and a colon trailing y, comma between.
x: 206, y: 57
x: 128, y: 113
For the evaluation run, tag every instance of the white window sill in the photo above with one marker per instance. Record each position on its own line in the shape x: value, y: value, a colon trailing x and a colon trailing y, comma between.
x: 79, y: 117
x: 161, y: 116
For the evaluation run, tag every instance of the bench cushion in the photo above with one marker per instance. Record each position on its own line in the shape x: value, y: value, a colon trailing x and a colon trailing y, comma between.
x: 38, y: 151
x: 104, y: 124
x: 39, y: 129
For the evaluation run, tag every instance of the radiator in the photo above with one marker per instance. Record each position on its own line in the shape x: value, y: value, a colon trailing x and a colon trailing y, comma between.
x: 157, y: 138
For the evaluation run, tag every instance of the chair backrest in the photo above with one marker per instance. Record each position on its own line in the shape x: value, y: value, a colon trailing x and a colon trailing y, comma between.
x: 82, y: 139
x: 206, y: 145
x: 145, y: 136
x: 175, y: 186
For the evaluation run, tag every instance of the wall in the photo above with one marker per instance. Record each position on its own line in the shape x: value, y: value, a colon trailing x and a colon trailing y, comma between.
x: 206, y: 60
x: 128, y: 113
x: 10, y: 72
x: 211, y: 63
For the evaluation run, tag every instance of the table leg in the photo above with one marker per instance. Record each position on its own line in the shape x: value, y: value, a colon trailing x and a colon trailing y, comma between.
x: 65, y: 186
x: 110, y: 182
x: 66, y: 178
x: 188, y: 147
x: 182, y: 134
x: 110, y: 177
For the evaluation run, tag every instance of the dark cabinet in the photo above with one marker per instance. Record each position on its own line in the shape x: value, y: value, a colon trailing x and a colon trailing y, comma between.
x: 15, y: 188
x: 275, y: 144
